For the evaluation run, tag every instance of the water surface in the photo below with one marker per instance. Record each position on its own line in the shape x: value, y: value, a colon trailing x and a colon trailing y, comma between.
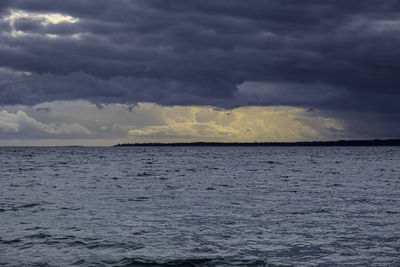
x: 200, y: 206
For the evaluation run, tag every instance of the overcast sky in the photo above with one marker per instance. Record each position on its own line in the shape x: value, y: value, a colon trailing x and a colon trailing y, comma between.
x: 122, y: 70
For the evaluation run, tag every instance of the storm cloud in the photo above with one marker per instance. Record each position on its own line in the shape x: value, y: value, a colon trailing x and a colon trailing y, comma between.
x: 333, y: 54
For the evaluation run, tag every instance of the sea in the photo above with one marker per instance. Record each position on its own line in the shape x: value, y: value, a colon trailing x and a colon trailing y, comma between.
x: 200, y: 206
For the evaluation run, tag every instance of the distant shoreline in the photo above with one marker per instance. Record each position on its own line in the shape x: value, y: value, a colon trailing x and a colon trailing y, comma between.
x: 376, y: 142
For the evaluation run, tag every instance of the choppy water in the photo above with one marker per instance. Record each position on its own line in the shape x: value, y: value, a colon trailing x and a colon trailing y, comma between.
x: 200, y: 206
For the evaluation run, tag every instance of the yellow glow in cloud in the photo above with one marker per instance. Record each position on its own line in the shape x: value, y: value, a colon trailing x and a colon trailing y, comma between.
x: 246, y: 124
x: 44, y: 18
x: 85, y: 123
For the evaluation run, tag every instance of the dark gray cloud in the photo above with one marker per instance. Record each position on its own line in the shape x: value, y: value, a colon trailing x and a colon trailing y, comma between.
x: 333, y: 54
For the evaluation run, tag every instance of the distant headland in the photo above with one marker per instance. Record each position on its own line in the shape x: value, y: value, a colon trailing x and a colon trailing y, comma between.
x: 375, y: 142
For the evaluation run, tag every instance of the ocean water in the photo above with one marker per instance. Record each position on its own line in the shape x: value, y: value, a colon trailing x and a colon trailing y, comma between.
x: 200, y: 206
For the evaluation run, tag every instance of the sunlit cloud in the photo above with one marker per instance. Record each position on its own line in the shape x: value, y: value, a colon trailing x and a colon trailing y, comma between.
x: 246, y: 124
x: 42, y: 18
x: 45, y: 18
x: 20, y: 121
x: 109, y: 124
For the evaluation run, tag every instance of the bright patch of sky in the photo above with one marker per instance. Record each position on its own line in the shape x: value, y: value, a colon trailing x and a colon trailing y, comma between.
x: 83, y: 123
x: 44, y: 18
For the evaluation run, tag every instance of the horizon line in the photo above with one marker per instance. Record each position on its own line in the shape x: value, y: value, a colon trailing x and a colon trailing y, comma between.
x: 370, y: 142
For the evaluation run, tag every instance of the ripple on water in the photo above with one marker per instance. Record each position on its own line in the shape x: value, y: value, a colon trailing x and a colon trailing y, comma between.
x: 182, y: 206
x: 189, y: 262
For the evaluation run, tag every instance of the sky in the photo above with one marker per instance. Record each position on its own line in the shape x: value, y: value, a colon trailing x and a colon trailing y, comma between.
x: 101, y: 72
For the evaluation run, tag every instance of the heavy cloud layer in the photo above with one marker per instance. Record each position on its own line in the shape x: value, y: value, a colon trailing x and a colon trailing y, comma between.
x: 332, y: 54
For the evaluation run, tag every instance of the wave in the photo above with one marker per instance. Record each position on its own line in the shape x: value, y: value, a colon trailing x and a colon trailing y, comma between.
x: 189, y: 262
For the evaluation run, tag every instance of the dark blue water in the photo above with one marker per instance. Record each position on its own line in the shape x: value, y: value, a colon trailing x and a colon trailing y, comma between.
x: 199, y: 206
